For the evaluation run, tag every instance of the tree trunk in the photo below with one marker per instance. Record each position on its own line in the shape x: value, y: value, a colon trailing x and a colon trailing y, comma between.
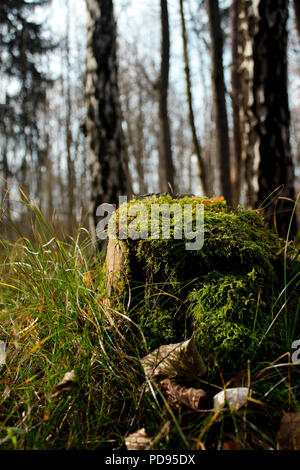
x: 196, y: 142
x: 140, y: 144
x: 236, y: 90
x: 265, y: 113
x: 166, y: 171
x: 218, y: 85
x: 109, y: 163
x: 69, y: 135
x: 135, y: 124
x: 5, y: 198
x: 297, y: 15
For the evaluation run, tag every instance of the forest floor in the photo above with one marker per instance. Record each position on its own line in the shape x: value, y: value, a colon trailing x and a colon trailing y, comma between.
x: 55, y: 321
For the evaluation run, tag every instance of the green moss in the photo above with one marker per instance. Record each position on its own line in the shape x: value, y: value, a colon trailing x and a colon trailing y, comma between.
x: 230, y: 314
x: 222, y: 293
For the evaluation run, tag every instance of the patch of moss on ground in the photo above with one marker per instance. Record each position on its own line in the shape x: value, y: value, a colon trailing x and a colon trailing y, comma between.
x: 222, y: 293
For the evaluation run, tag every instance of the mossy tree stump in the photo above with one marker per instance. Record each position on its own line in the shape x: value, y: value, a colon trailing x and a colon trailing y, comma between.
x: 222, y: 293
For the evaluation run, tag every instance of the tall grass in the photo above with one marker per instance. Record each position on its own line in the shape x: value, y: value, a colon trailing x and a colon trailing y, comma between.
x: 54, y: 319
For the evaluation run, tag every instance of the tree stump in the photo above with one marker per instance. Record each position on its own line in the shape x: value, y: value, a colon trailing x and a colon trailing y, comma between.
x: 221, y: 293
x: 116, y: 255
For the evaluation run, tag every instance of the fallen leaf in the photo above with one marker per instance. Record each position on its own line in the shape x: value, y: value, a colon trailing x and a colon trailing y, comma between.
x: 172, y: 360
x: 236, y: 397
x: 68, y: 382
x: 178, y: 395
x: 207, y: 202
x: 138, y: 440
x: 288, y: 436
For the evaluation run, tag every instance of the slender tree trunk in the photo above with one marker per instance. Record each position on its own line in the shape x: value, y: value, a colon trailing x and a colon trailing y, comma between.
x: 196, y: 142
x: 166, y: 173
x: 24, y: 179
x: 250, y: 154
x: 265, y: 111
x: 208, y: 151
x: 5, y: 199
x: 236, y: 90
x: 297, y: 15
x: 135, y: 124
x: 139, y: 153
x: 223, y: 152
x: 109, y: 164
x: 69, y: 136
x: 49, y: 189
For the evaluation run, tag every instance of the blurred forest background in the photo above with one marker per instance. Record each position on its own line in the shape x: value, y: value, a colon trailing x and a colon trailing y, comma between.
x: 100, y: 99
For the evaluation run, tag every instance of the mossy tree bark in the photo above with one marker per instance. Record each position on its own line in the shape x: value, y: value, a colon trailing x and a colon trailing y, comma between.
x: 109, y: 166
x: 264, y: 109
x: 218, y: 85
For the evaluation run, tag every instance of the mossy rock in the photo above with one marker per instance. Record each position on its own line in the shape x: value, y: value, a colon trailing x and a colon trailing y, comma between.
x: 221, y: 293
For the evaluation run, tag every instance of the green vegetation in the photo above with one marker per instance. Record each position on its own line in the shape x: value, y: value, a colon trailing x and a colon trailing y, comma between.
x: 54, y: 319
x: 223, y: 293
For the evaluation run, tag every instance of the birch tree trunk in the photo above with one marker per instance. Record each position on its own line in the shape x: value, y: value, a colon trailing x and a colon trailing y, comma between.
x: 109, y: 164
x: 265, y: 113
x: 218, y: 86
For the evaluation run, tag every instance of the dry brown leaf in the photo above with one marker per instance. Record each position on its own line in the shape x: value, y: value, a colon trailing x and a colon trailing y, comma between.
x: 207, y: 202
x: 138, y: 440
x: 288, y: 436
x: 178, y: 395
x: 173, y: 360
x: 235, y: 397
x: 68, y: 382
